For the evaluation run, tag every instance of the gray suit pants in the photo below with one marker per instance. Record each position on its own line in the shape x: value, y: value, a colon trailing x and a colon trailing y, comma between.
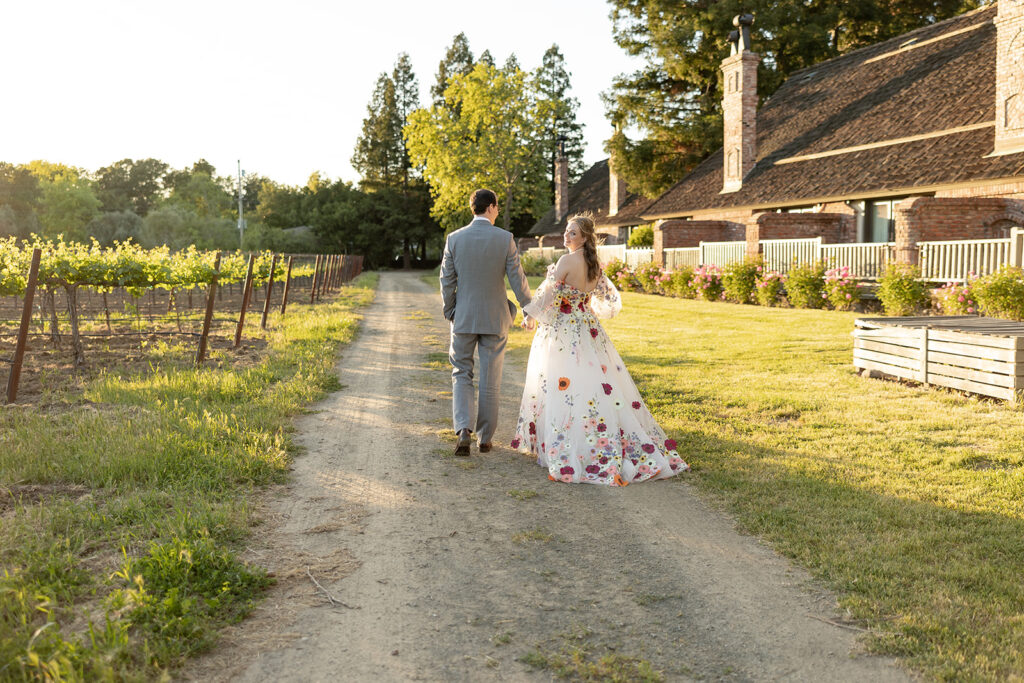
x: 491, y: 349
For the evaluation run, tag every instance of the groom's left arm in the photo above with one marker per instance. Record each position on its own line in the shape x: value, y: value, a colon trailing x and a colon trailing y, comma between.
x: 449, y: 282
x: 516, y: 277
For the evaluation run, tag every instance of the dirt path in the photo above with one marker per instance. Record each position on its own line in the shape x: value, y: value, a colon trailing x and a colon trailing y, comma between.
x: 445, y: 576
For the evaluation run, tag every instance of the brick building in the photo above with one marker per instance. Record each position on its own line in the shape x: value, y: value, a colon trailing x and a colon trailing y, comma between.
x: 917, y: 138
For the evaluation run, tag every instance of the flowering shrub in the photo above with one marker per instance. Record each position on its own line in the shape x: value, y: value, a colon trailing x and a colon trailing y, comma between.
x: 680, y: 283
x: 738, y: 280
x: 641, y: 236
x: 1001, y: 294
x: 954, y: 298
x: 768, y: 287
x: 900, y: 290
x: 651, y: 277
x: 534, y: 265
x: 805, y: 285
x: 618, y: 272
x: 842, y: 291
x: 707, y: 282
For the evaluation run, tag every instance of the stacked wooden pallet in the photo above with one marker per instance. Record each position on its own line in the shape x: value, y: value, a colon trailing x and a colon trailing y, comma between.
x: 979, y: 355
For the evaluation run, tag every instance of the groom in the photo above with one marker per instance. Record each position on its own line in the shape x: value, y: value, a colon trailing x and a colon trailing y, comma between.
x: 476, y: 260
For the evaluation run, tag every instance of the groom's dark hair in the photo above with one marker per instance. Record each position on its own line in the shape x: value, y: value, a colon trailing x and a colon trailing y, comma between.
x: 481, y: 199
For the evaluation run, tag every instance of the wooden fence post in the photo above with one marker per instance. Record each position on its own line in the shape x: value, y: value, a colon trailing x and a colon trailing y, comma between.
x: 26, y: 321
x: 331, y: 281
x: 924, y: 355
x: 211, y: 297
x: 316, y: 271
x: 287, y: 285
x: 270, y: 290
x: 323, y: 278
x: 1017, y: 247
x: 246, y: 292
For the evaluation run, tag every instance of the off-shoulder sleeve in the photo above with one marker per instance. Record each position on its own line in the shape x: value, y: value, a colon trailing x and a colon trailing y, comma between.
x: 605, y: 301
x: 542, y: 306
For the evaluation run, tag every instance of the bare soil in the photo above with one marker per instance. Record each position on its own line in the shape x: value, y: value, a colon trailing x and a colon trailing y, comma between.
x: 397, y: 561
x: 138, y: 329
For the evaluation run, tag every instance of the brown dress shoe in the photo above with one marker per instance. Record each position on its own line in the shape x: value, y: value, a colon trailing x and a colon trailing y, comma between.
x: 462, y: 445
x: 485, y: 447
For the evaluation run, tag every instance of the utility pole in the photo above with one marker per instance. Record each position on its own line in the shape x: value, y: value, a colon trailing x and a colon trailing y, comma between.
x: 241, y: 219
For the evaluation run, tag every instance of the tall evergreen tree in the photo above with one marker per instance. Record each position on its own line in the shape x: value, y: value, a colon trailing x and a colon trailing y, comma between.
x: 457, y: 60
x: 674, y: 99
x: 380, y: 155
x: 553, y: 82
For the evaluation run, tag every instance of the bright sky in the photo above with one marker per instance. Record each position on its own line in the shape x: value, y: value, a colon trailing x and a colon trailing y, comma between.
x: 283, y: 86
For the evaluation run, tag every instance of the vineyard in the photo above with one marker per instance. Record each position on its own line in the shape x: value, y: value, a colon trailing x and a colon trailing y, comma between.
x: 68, y: 307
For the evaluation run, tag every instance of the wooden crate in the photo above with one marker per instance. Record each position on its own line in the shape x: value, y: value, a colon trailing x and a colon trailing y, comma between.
x: 980, y: 355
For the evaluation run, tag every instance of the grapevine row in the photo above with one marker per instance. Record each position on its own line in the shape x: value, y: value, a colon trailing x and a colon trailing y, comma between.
x: 126, y: 264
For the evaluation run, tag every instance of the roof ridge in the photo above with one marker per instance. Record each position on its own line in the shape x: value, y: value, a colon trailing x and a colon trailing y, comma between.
x: 902, y: 38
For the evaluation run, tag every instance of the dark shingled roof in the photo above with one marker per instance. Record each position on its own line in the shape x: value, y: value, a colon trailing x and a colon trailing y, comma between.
x: 864, y: 98
x: 590, y: 193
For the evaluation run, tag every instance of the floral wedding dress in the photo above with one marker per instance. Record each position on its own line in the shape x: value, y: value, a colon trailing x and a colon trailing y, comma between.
x: 581, y: 413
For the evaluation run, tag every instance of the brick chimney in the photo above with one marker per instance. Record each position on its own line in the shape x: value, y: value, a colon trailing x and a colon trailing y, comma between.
x: 739, y: 105
x: 1009, y: 77
x: 616, y: 190
x: 561, y: 182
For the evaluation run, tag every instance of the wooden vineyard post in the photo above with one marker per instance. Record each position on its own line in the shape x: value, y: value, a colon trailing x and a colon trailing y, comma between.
x: 246, y: 291
x: 323, y: 277
x: 270, y: 290
x: 26, y: 321
x: 211, y: 297
x: 337, y: 271
x: 329, y: 279
x: 316, y: 271
x: 287, y: 285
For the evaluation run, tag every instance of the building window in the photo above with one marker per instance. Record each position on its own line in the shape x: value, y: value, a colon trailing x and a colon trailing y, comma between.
x: 880, y: 220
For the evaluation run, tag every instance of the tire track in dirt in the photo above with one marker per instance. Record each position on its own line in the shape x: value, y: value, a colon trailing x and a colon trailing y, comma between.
x: 448, y: 577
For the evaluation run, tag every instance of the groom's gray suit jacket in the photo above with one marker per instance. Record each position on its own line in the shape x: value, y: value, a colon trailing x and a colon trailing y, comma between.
x: 476, y: 260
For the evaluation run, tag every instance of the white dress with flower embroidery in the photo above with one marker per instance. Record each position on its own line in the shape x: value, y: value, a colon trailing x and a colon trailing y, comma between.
x: 581, y: 413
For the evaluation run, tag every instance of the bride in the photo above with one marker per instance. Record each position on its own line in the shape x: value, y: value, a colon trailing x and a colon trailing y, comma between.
x: 581, y: 414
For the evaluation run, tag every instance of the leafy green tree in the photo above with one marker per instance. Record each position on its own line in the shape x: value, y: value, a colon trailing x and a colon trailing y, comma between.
x: 129, y: 185
x: 114, y: 226
x: 67, y: 205
x: 496, y: 141
x: 20, y: 193
x: 553, y: 84
x: 205, y: 194
x: 674, y: 99
x: 458, y: 60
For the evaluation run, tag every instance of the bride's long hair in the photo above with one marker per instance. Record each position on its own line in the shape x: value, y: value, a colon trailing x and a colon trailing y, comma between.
x: 585, y: 222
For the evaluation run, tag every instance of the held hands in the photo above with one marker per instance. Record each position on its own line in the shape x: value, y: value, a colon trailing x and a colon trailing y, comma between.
x: 528, y: 322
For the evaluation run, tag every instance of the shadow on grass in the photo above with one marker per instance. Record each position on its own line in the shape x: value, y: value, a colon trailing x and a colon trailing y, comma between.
x: 939, y: 586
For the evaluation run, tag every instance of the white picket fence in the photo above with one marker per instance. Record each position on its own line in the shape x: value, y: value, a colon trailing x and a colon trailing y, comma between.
x: 722, y: 254
x: 546, y: 253
x: 866, y: 260
x: 951, y: 260
x: 781, y: 255
x: 954, y: 260
x: 682, y: 257
x: 636, y: 257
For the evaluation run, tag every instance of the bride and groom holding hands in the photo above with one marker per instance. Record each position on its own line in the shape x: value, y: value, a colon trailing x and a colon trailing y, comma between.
x: 581, y: 414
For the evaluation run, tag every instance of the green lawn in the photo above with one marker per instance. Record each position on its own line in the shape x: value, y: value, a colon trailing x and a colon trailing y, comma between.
x: 907, y: 501
x: 121, y: 509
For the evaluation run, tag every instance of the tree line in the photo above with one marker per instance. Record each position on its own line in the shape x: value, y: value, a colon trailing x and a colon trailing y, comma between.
x: 485, y: 126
